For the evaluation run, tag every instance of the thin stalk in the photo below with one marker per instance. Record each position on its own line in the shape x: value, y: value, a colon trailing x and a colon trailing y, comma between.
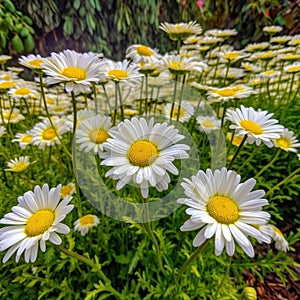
x: 223, y: 114
x: 237, y: 152
x: 93, y: 265
x: 180, y: 96
x: 190, y: 260
x: 268, y: 165
x: 224, y: 278
x: 146, y: 94
x: 174, y: 98
x: 106, y: 98
x: 95, y: 97
x: 249, y: 158
x: 121, y: 101
x: 116, y: 105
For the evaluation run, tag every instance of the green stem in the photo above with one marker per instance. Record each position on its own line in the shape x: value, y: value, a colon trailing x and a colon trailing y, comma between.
x: 285, y: 180
x: 174, y: 98
x: 268, y: 165
x: 237, y: 152
x: 146, y: 94
x: 106, y: 97
x: 180, y: 97
x: 95, y: 97
x: 120, y: 100
x: 249, y: 158
x: 190, y: 260
x: 224, y: 278
x: 93, y: 265
x: 223, y: 114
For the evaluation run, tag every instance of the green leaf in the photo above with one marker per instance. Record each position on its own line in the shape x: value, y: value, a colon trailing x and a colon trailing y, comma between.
x: 76, y: 4
x: 68, y: 26
x: 17, y: 43
x: 3, y: 40
x: 29, y: 43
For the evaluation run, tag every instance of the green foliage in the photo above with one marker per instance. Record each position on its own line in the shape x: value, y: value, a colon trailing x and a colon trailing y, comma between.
x: 16, y: 31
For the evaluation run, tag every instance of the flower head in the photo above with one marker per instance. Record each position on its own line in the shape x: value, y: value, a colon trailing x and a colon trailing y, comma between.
x: 85, y: 223
x: 33, y: 221
x: 221, y: 206
x: 141, y: 53
x: 32, y: 61
x: 182, y: 115
x: 257, y: 125
x: 18, y: 164
x: 142, y: 152
x: 287, y: 141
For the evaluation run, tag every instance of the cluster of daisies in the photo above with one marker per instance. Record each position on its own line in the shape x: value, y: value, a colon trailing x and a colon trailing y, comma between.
x: 105, y: 108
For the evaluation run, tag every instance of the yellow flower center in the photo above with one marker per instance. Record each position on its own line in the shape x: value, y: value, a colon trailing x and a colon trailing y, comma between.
x: 22, y: 92
x: 176, y: 113
x: 283, y: 143
x: 292, y: 56
x: 251, y: 126
x: 232, y: 55
x: 296, y: 41
x: 39, y: 222
x: 35, y: 63
x: 87, y: 220
x: 226, y: 92
x: 175, y: 65
x: 74, y: 72
x: 272, y: 72
x: 6, y: 77
x: 237, y: 140
x: 9, y: 116
x: 66, y: 190
x: 142, y: 153
x: 267, y: 55
x: 20, y: 166
x: 26, y: 139
x: 118, y: 74
x: 207, y: 124
x: 49, y: 100
x: 223, y: 209
x: 49, y: 134
x: 144, y: 51
x: 98, y: 136
x: 7, y: 84
x: 293, y: 69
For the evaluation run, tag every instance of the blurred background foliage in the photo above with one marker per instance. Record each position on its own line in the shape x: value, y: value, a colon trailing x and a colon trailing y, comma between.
x: 111, y: 26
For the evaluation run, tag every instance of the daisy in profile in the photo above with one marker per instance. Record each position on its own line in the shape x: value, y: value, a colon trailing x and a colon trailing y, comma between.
x: 292, y: 69
x: 221, y: 206
x: 207, y: 124
x: 43, y: 134
x: 142, y: 153
x: 76, y: 70
x: 32, y: 61
x: 276, y: 235
x: 257, y: 47
x: 23, y: 91
x: 85, y: 224
x: 256, y: 125
x: 287, y: 141
x: 4, y: 58
x: 230, y: 92
x: 11, y: 116
x: 68, y: 190
x: 6, y: 85
x: 92, y: 133
x: 141, y: 53
x: 181, y: 31
x: 272, y: 29
x: 223, y: 33
x: 121, y: 71
x: 182, y: 115
x: 18, y: 164
x: 36, y: 219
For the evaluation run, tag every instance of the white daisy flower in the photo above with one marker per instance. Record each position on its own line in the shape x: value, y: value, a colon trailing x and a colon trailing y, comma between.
x: 11, y: 116
x: 207, y: 124
x: 92, y: 133
x: 221, y: 206
x: 43, y: 133
x: 275, y: 234
x: 85, y: 223
x: 230, y: 92
x: 223, y: 33
x: 287, y: 141
x: 257, y: 125
x: 141, y: 53
x: 76, y: 70
x: 294, y: 68
x: 33, y: 221
x: 32, y: 61
x: 183, y: 115
x: 181, y: 31
x: 272, y: 29
x: 18, y: 164
x: 143, y: 152
x: 68, y: 190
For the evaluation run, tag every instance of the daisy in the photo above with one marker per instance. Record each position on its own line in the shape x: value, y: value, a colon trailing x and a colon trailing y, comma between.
x: 85, y: 223
x: 32, y: 61
x: 33, y: 221
x: 229, y: 93
x: 295, y: 41
x: 43, y: 133
x: 185, y: 113
x: 9, y: 116
x: 221, y: 206
x: 251, y: 67
x: 232, y: 55
x: 4, y: 58
x: 23, y: 91
x: 68, y: 190
x: 256, y: 125
x: 234, y: 139
x: 207, y: 124
x: 75, y: 70
x: 143, y: 152
x: 141, y: 53
x: 272, y: 29
x: 281, y: 39
x: 122, y: 71
x: 275, y: 234
x: 18, y: 164
x: 257, y: 47
x: 223, y: 33
x: 92, y: 133
x: 181, y: 31
x: 294, y: 68
x: 287, y: 141
x: 6, y: 85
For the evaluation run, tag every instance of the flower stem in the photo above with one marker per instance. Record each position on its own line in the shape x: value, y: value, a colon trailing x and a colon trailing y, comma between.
x: 180, y: 96
x: 190, y: 260
x: 268, y: 165
x: 93, y: 265
x: 224, y: 278
x: 249, y: 158
x: 237, y: 152
x: 174, y: 98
